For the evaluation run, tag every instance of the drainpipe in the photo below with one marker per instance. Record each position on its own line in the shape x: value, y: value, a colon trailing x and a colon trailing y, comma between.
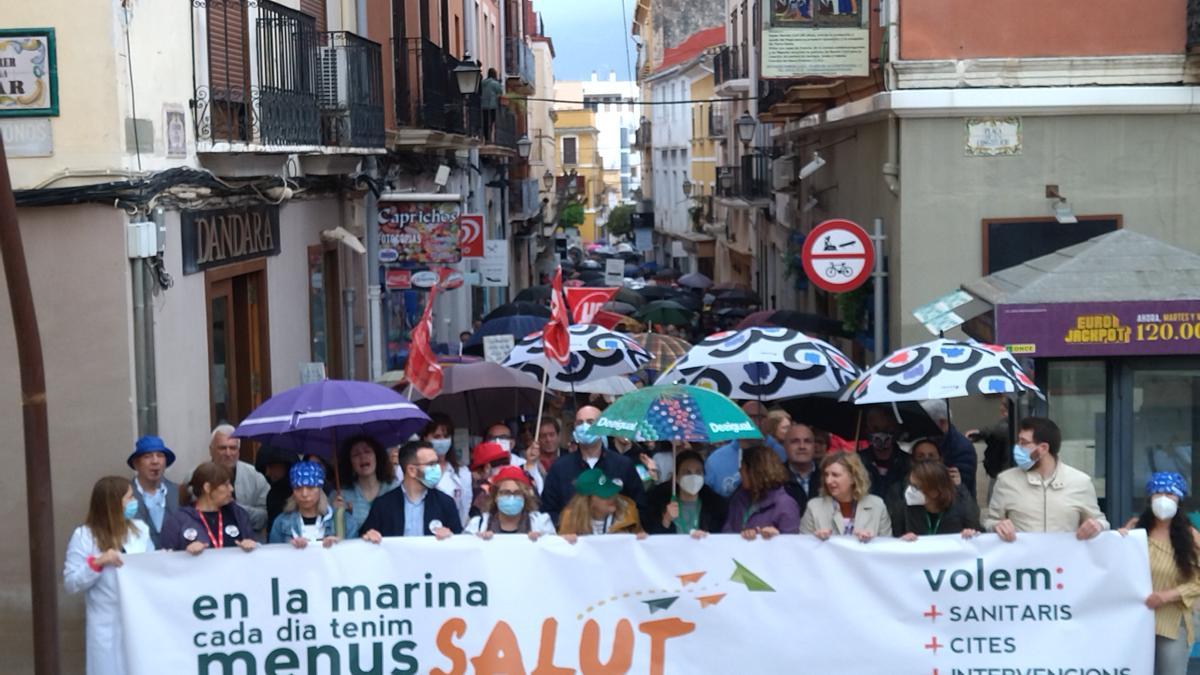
x: 159, y: 217
x: 891, y: 168
x: 375, y: 326
x: 143, y: 340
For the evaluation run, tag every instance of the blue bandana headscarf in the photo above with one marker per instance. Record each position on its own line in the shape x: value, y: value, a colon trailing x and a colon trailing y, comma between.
x: 1166, y: 483
x: 307, y: 474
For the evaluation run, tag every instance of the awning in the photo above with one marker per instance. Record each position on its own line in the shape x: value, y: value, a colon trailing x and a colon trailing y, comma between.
x: 1119, y: 294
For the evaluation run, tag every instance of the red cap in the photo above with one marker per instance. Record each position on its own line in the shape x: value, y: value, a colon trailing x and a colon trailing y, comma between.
x: 511, y: 472
x: 486, y: 453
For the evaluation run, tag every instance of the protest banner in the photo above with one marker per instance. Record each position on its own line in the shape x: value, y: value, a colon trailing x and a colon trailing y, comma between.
x: 1044, y: 605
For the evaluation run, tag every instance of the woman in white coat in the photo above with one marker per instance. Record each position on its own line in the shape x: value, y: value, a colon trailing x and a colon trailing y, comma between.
x: 94, y: 552
x: 846, y: 505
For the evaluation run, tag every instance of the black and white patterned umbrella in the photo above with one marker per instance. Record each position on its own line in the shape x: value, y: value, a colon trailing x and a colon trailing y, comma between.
x: 596, y: 353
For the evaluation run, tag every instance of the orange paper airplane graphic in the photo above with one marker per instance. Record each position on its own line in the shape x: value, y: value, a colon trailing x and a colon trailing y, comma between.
x: 690, y: 578
x: 706, y: 600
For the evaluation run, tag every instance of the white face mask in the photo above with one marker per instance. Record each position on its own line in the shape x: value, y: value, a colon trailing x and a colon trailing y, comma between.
x: 1163, y: 507
x: 691, y: 484
x: 913, y: 496
x: 505, y: 443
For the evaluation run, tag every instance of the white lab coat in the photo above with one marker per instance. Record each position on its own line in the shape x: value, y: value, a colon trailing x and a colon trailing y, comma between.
x: 105, y: 646
x: 457, y: 484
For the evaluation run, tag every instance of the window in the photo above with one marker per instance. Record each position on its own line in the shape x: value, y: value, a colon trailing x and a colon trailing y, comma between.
x: 569, y: 151
x: 1011, y: 241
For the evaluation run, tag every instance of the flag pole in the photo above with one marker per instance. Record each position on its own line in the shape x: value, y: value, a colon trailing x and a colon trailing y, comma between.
x: 537, y: 435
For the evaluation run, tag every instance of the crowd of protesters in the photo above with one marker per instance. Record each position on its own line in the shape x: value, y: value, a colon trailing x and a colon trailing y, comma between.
x: 551, y: 480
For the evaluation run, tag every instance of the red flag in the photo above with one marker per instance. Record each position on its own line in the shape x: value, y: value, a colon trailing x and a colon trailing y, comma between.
x: 585, y: 302
x: 423, y: 369
x: 607, y: 319
x: 556, y: 336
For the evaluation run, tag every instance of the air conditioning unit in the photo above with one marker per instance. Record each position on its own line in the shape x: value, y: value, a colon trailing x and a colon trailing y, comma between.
x: 333, y: 78
x: 783, y: 172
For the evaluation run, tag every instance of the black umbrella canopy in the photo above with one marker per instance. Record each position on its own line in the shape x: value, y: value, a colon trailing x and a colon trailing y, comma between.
x: 518, y: 308
x: 591, y: 277
x: 689, y: 301
x: 657, y: 293
x: 808, y: 323
x: 844, y: 419
x: 737, y: 297
x: 629, y: 296
x: 533, y: 294
x: 590, y: 265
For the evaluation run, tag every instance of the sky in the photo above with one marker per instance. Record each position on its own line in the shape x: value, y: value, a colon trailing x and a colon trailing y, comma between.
x: 589, y: 35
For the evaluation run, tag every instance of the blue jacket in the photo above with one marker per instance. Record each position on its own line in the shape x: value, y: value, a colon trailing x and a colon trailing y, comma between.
x: 560, y: 479
x: 387, y: 513
x: 290, y: 523
x: 721, y: 467
x: 958, y: 451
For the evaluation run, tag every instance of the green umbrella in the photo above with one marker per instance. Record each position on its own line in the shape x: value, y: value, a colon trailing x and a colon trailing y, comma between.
x: 676, y: 413
x: 665, y: 312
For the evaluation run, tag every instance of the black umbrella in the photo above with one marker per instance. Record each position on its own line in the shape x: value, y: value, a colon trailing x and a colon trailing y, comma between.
x: 844, y: 419
x: 657, y: 293
x: 808, y: 323
x: 591, y: 277
x: 737, y: 297
x: 590, y: 265
x: 518, y: 308
x: 733, y: 312
x: 619, y: 307
x: 689, y: 301
x: 534, y: 294
x: 629, y: 296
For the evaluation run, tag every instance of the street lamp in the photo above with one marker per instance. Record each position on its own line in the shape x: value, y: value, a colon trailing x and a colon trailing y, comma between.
x: 548, y: 180
x: 467, y: 75
x: 746, y: 126
x: 687, y: 188
x: 572, y: 185
x: 523, y: 147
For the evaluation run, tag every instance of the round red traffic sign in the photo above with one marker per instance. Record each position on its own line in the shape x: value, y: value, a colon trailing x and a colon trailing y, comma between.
x: 838, y: 255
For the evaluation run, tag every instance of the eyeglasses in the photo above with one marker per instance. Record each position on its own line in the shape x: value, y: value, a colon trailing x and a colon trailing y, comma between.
x: 424, y: 464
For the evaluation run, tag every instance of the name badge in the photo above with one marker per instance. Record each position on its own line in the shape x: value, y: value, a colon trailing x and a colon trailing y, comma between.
x: 232, y: 531
x: 190, y: 534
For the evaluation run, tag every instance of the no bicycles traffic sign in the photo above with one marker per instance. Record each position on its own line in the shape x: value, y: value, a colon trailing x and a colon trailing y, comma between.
x: 838, y: 255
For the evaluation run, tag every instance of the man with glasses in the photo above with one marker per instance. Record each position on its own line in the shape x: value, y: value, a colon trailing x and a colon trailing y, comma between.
x: 1041, y: 493
x: 416, y: 509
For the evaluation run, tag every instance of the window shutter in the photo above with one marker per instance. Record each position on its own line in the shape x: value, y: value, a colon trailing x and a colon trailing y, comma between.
x: 315, y: 8
x: 227, y: 45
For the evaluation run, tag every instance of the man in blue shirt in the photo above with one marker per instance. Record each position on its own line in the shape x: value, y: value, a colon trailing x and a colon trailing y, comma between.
x: 417, y: 509
x: 721, y: 467
x: 957, y: 451
x: 156, y: 496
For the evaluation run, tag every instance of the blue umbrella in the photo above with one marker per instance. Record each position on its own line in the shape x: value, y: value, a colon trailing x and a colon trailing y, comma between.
x: 318, y: 417
x: 517, y: 326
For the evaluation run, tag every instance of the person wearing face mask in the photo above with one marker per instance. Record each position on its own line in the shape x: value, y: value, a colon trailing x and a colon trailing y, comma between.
x: 456, y: 478
x: 846, y: 505
x: 110, y: 531
x: 935, y: 505
x: 307, y: 517
x: 510, y: 508
x: 417, y: 508
x: 1174, y: 571
x: 560, y: 480
x: 487, y: 458
x: 693, y: 508
x: 1041, y: 493
x: 597, y: 507
x: 885, y: 462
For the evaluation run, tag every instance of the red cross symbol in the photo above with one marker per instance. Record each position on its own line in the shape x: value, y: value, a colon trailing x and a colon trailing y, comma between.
x: 934, y: 645
x: 933, y: 614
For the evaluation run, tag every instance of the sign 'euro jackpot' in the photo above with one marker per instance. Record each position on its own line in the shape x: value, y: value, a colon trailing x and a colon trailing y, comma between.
x: 1046, y: 604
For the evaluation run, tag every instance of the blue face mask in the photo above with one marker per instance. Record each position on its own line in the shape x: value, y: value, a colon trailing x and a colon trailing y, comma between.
x: 1022, y: 459
x: 510, y: 505
x: 441, y: 446
x: 431, y: 476
x: 131, y: 509
x: 583, y: 434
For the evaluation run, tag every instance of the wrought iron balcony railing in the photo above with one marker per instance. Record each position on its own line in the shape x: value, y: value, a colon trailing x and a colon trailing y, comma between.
x: 524, y: 197
x: 750, y: 181
x: 518, y: 60
x: 716, y: 120
x: 505, y: 132
x: 730, y: 64
x: 427, y: 94
x: 1193, y: 25
x: 350, y: 93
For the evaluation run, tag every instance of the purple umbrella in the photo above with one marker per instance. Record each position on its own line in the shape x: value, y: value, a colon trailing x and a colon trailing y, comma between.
x: 318, y: 417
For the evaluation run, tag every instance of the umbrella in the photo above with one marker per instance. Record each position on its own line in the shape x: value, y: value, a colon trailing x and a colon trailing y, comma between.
x: 730, y: 286
x: 732, y: 312
x: 765, y: 364
x: 665, y: 312
x: 609, y: 386
x: 627, y: 324
x: 801, y: 321
x: 667, y: 273
x: 632, y: 270
x: 619, y: 307
x: 845, y: 419
x: 318, y: 417
x: 656, y: 292
x: 941, y: 369
x: 518, y: 308
x: 481, y: 392
x: 676, y: 412
x: 695, y: 280
x: 533, y: 294
x: 629, y: 297
x: 738, y: 297
x: 688, y: 301
x: 590, y: 265
x: 516, y: 326
x: 591, y: 277
x: 664, y: 349
x: 595, y: 353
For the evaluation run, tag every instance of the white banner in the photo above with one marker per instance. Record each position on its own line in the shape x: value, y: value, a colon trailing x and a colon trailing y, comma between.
x: 1045, y: 605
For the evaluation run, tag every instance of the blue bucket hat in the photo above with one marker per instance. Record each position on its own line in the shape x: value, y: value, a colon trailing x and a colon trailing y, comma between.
x: 307, y: 474
x: 148, y: 444
x: 1167, y: 483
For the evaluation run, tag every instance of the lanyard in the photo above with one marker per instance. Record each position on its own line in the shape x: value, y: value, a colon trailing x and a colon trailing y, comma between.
x: 749, y: 512
x: 219, y: 541
x: 686, y: 526
x: 933, y: 525
x: 848, y: 523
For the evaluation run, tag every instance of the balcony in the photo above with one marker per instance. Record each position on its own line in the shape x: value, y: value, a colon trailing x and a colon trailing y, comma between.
x: 427, y: 95
x: 351, y: 90
x: 716, y: 121
x: 504, y: 134
x: 729, y: 65
x: 518, y: 62
x: 524, y: 198
x: 268, y: 83
x: 748, y: 184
